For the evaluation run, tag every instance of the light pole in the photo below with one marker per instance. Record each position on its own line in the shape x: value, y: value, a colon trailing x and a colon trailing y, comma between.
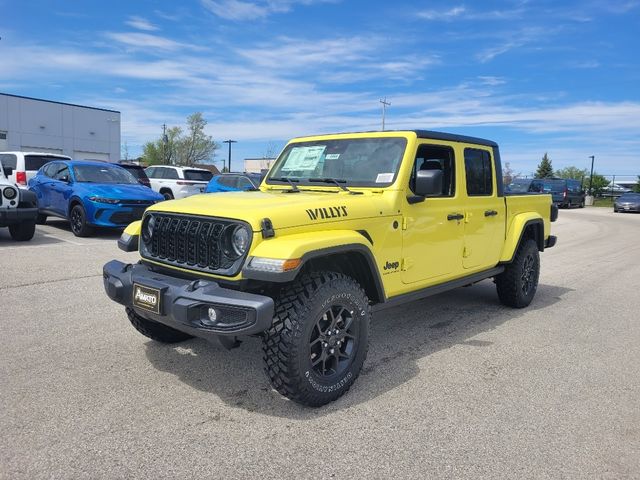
x: 385, y: 104
x: 165, y: 140
x: 229, y: 142
x: 592, y: 157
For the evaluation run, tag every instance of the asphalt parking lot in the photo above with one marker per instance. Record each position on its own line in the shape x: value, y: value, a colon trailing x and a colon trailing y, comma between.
x: 454, y: 386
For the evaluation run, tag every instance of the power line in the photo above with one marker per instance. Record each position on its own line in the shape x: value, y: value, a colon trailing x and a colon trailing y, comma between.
x: 385, y: 104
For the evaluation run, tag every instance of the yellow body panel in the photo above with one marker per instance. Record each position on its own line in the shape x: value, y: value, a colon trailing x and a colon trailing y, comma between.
x: 133, y: 228
x: 414, y: 245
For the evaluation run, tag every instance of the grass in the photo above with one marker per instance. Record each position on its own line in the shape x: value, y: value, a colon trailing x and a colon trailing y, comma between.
x: 603, y: 202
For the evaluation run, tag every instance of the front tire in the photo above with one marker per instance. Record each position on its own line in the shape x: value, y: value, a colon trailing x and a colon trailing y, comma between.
x: 78, y: 219
x: 167, y: 194
x: 24, y: 231
x: 517, y: 285
x: 319, y: 338
x: 154, y: 330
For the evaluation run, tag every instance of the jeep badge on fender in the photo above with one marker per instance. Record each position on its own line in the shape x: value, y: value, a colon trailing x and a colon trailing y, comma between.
x: 341, y: 226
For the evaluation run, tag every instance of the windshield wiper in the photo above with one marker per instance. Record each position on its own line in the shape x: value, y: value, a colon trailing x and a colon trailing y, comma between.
x: 336, y: 181
x: 294, y: 187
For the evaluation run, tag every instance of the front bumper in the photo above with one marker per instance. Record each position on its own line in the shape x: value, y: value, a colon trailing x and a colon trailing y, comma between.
x: 106, y: 215
x: 9, y: 216
x: 184, y: 304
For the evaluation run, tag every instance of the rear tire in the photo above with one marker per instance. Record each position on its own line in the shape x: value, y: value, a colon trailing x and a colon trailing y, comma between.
x: 154, y: 330
x: 319, y: 338
x: 24, y: 231
x: 41, y: 219
x: 517, y: 285
x: 78, y: 219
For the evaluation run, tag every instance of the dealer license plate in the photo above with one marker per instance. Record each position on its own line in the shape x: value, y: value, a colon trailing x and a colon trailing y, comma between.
x: 147, y: 298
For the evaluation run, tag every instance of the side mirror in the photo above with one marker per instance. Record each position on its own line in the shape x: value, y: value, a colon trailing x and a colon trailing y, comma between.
x: 8, y: 170
x: 65, y: 179
x: 429, y: 183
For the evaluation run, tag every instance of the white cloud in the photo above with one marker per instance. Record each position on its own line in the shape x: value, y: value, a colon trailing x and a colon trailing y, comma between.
x: 141, y: 23
x: 442, y: 15
x: 252, y: 10
x: 146, y: 41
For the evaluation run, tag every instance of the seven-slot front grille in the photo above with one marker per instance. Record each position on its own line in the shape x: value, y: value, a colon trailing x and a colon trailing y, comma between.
x: 190, y: 242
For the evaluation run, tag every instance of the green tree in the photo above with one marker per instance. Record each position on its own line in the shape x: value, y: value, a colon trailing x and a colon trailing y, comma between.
x: 636, y: 187
x: 163, y: 151
x: 598, y: 184
x: 545, y: 170
x: 572, y: 172
x: 177, y: 148
x: 196, y: 146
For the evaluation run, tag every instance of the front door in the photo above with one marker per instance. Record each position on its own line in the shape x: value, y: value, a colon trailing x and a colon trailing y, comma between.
x: 433, y: 230
x: 59, y: 190
x: 484, y: 217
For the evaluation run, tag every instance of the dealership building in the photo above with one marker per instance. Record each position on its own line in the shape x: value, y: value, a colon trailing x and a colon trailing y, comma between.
x: 79, y: 131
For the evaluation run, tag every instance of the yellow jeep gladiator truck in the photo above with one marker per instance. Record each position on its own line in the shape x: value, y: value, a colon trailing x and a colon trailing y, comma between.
x: 342, y: 226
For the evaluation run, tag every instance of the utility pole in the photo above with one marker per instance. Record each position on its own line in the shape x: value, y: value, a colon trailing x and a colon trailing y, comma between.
x: 229, y: 142
x: 385, y: 104
x: 165, y: 140
x: 592, y: 157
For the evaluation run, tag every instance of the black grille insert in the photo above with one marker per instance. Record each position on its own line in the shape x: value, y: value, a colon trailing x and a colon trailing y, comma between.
x: 190, y: 242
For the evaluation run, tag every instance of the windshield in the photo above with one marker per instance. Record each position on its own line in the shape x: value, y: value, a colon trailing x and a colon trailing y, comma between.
x: 103, y: 174
x: 630, y: 196
x: 367, y: 162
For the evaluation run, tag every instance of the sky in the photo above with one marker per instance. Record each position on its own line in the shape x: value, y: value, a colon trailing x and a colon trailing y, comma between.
x: 561, y: 77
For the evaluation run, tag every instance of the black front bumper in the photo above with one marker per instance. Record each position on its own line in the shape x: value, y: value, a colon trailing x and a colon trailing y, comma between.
x: 10, y: 216
x: 184, y: 304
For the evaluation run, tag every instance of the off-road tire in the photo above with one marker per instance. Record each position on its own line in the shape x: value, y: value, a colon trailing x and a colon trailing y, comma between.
x: 287, y: 345
x: 581, y: 204
x: 79, y: 225
x: 518, y: 283
x: 41, y: 219
x: 23, y: 231
x: 154, y: 330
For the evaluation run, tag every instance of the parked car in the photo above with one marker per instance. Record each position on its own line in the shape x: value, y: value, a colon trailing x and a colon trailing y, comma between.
x: 614, y: 190
x: 233, y: 182
x: 18, y: 209
x: 20, y: 167
x: 564, y: 192
x: 90, y: 194
x: 137, y: 171
x: 177, y: 182
x: 628, y: 202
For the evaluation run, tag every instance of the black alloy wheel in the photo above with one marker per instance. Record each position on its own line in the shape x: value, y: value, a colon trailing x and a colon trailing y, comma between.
x: 334, y: 341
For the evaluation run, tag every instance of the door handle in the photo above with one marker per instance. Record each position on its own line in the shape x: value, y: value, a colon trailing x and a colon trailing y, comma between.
x: 490, y: 213
x: 455, y: 216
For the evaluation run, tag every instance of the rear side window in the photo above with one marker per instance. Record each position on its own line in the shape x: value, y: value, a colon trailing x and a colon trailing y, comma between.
x: 197, y: 175
x: 50, y: 169
x: 8, y: 160
x: 477, y: 164
x: 228, y: 180
x: 36, y: 162
x: 169, y: 173
x: 244, y: 183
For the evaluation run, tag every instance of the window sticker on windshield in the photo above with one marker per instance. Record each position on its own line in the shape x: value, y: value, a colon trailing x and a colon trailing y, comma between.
x: 303, y: 158
x: 384, y: 178
x: 332, y: 156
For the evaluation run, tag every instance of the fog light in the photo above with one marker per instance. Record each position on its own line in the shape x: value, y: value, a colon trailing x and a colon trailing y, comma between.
x: 213, y: 315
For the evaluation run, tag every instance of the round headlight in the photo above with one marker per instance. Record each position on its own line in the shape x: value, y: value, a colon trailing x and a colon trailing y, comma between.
x: 148, y: 224
x: 10, y: 193
x: 237, y: 240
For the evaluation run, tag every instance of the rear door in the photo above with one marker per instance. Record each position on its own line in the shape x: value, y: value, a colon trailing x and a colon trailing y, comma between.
x: 485, y: 211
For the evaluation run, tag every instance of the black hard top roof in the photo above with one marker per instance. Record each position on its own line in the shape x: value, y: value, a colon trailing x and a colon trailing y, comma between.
x: 430, y: 134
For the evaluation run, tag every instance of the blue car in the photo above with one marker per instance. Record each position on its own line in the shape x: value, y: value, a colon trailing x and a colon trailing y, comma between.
x: 234, y: 182
x: 90, y: 194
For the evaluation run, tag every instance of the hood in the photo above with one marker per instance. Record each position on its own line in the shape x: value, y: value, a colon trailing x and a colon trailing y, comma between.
x: 119, y: 191
x: 283, y: 209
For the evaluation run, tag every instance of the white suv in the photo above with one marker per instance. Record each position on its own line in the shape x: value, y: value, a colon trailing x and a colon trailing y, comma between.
x: 177, y: 182
x: 21, y: 166
x: 18, y: 209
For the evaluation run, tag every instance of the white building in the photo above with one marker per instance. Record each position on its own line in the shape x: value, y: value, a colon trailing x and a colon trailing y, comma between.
x: 81, y: 132
x: 257, y: 165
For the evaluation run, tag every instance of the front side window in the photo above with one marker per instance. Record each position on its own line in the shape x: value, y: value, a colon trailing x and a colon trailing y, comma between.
x: 435, y: 157
x: 103, y: 174
x: 479, y: 172
x: 61, y: 172
x: 366, y: 162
